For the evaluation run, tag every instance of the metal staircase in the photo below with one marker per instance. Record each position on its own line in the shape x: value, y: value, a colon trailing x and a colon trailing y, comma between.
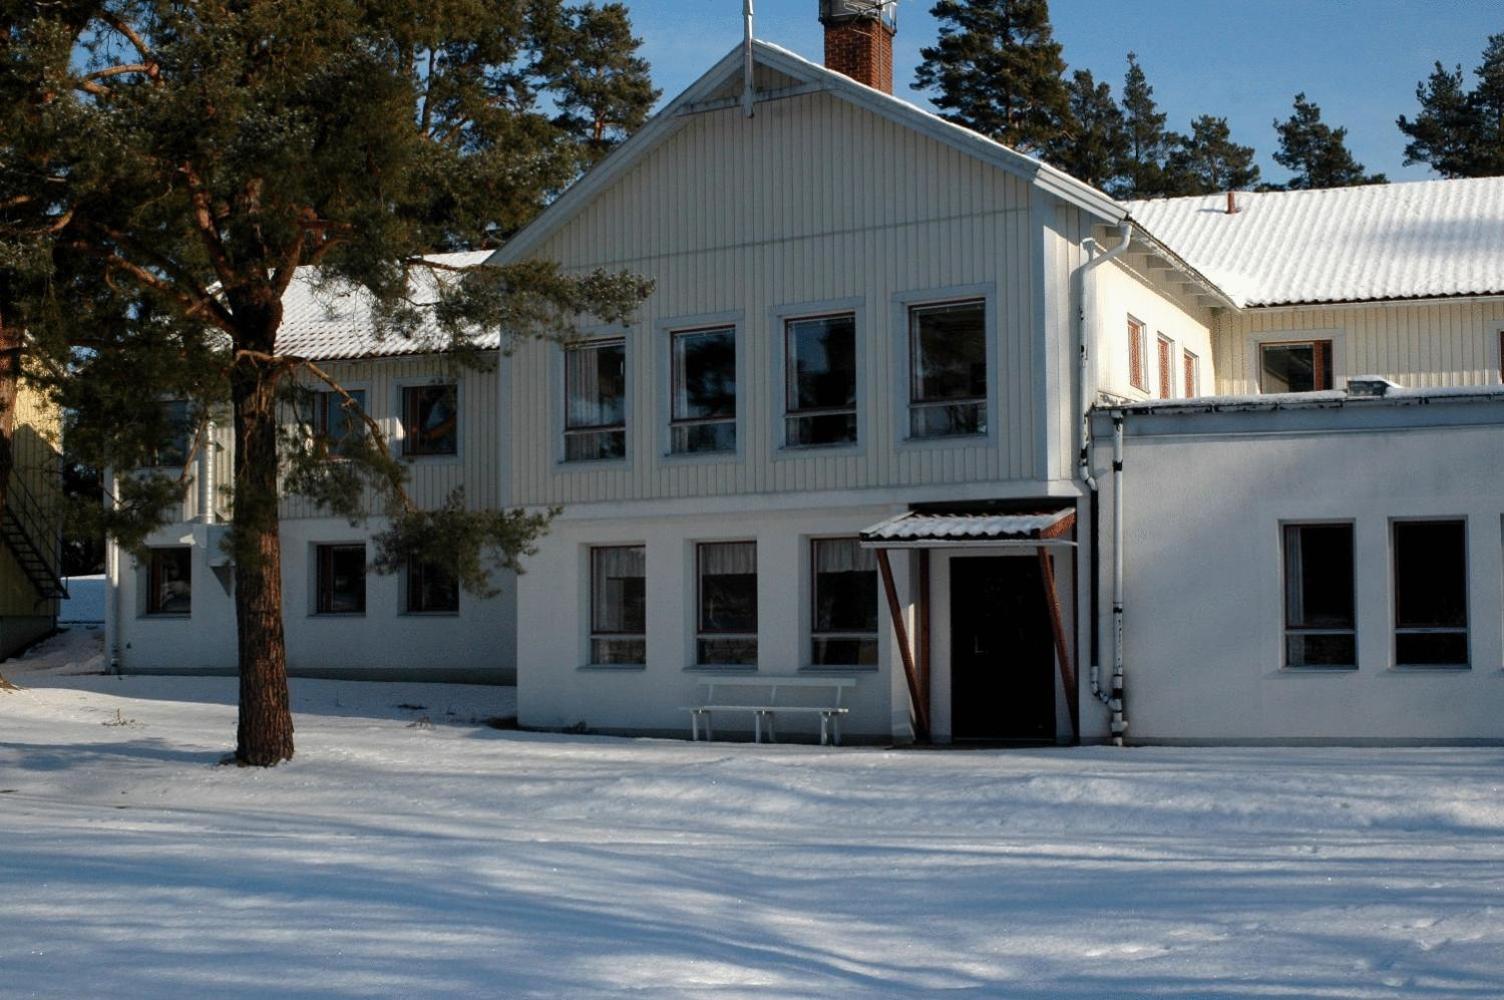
x: 33, y: 540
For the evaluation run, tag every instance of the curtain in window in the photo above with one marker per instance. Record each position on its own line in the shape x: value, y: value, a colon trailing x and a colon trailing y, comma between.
x: 593, y: 386
x: 1295, y: 575
x: 728, y: 558
x: 844, y: 555
x: 617, y: 588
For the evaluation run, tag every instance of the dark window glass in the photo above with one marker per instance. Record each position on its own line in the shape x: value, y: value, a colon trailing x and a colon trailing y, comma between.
x: 1320, y: 626
x: 821, y: 380
x: 948, y: 369
x: 844, y: 621
x: 595, y: 401
x: 704, y: 401
x: 169, y: 582
x: 172, y: 453
x: 1430, y: 593
x: 431, y: 588
x: 618, y: 604
x: 430, y: 420
x: 1295, y: 367
x: 339, y: 425
x: 728, y: 603
x: 341, y: 580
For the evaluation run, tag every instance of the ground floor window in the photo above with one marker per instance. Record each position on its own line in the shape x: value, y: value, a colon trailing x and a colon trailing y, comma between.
x: 1320, y: 621
x: 843, y: 622
x: 341, y: 583
x: 618, y: 604
x: 727, y: 633
x: 431, y: 588
x: 1430, y: 593
x: 169, y: 589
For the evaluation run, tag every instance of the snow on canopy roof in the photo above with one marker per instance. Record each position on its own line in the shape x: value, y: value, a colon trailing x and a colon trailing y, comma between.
x: 918, y: 527
x: 1418, y: 239
x: 332, y: 322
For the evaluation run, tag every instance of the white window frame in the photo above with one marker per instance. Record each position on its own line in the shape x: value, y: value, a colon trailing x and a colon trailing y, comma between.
x: 902, y: 374
x: 561, y: 407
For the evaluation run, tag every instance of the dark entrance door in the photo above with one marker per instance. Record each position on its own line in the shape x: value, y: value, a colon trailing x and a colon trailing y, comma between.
x: 1002, y: 660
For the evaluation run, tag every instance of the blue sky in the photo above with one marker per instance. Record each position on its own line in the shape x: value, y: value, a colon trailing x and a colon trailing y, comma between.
x: 1358, y: 59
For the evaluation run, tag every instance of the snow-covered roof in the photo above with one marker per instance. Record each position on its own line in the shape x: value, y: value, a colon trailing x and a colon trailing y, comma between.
x: 1418, y: 239
x: 1394, y: 395
x: 921, y: 527
x: 330, y: 322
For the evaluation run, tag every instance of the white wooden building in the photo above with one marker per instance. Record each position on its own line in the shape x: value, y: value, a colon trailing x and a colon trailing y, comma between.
x: 860, y: 434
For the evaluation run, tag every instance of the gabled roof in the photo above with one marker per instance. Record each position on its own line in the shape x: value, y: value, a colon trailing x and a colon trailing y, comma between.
x: 1378, y: 242
x: 332, y: 323
x: 808, y: 77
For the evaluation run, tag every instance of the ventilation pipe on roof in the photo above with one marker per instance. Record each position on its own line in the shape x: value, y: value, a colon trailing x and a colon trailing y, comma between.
x: 1232, y: 203
x: 748, y: 92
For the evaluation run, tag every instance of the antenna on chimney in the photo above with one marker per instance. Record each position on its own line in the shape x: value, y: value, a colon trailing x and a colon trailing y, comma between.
x: 747, y: 88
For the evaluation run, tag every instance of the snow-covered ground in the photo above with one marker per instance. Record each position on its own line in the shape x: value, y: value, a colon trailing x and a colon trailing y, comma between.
x: 412, y: 852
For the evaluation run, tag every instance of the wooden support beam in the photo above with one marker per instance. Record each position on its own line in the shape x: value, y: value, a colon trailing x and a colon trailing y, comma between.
x: 922, y: 628
x: 1062, y: 648
x: 905, y: 651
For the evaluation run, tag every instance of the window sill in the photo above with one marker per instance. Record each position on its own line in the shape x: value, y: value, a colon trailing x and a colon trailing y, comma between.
x: 833, y: 671
x: 337, y: 614
x: 1431, y: 668
x: 587, y: 464
x: 169, y: 616
x: 700, y: 457
x: 612, y: 668
x: 423, y: 614
x: 445, y: 459
x: 728, y: 668
x: 1320, y: 668
x: 947, y: 441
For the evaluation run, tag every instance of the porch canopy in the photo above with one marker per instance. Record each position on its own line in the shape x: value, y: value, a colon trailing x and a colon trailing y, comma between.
x: 923, y: 530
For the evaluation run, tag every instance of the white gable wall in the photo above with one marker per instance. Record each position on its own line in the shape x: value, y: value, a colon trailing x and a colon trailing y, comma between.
x: 812, y: 204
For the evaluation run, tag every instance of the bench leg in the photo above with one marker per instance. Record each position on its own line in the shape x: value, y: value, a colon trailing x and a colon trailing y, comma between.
x: 756, y: 727
x: 694, y: 727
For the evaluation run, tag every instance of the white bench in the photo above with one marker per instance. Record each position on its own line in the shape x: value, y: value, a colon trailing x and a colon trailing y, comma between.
x: 765, y: 708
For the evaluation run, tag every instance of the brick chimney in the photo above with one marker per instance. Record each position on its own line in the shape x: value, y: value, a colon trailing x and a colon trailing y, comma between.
x: 859, y: 40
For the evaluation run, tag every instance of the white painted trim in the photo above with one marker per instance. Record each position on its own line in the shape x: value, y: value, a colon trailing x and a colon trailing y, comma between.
x: 900, y: 303
x: 778, y: 319
x: 1254, y: 369
x: 663, y: 385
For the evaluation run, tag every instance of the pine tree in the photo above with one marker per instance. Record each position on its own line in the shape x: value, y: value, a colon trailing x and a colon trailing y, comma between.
x: 1141, y: 171
x: 165, y: 168
x: 1096, y: 142
x: 1316, y: 153
x: 996, y: 69
x: 1208, y: 161
x: 604, y: 88
x: 1460, y: 133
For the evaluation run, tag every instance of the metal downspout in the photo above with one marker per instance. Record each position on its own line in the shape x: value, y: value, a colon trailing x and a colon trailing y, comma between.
x: 1119, y: 724
x: 1085, y: 317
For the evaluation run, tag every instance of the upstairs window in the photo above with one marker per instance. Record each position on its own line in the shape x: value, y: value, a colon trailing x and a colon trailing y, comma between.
x: 727, y: 632
x: 948, y: 369
x: 430, y: 420
x: 843, y: 623
x: 432, y: 588
x: 1430, y: 593
x: 339, y: 424
x: 340, y: 585
x: 595, y: 401
x: 169, y: 581
x: 1301, y: 366
x: 1138, y: 375
x: 1166, y: 367
x: 1320, y: 623
x: 821, y: 380
x: 618, y: 604
x: 172, y: 452
x: 1192, y: 365
x: 703, y: 417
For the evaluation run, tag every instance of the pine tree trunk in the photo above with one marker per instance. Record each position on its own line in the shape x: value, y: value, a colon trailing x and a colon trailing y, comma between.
x: 264, y: 735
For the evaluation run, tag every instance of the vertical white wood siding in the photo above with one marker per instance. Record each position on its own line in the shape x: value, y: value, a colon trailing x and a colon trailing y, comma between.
x: 1422, y: 345
x: 813, y: 200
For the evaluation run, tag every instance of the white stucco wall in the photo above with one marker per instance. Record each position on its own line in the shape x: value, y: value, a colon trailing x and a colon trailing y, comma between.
x: 557, y: 688
x: 476, y: 645
x: 1123, y: 289
x: 1205, y: 496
